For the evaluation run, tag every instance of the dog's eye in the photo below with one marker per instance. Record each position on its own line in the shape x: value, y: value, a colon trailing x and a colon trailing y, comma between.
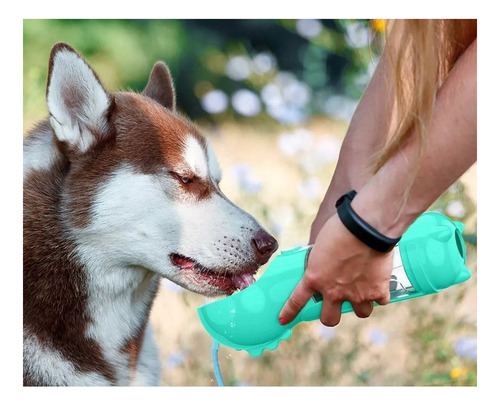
x: 182, y: 177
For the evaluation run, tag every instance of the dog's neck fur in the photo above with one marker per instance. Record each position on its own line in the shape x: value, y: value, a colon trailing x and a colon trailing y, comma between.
x: 77, y: 303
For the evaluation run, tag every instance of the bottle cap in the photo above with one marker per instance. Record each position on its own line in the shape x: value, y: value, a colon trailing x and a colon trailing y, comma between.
x: 433, y: 253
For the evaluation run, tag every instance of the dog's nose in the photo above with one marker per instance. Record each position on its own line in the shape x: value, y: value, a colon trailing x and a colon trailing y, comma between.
x: 264, y: 246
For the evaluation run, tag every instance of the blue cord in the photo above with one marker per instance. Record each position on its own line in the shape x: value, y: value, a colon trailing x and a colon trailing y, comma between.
x: 215, y: 362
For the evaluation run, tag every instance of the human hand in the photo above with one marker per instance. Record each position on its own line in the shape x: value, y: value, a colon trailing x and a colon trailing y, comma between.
x: 341, y: 268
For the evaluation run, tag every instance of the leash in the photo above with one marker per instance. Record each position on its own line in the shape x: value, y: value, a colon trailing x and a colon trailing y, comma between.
x: 215, y: 363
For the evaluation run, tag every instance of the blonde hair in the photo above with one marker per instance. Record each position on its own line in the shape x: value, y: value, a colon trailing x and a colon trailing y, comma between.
x: 421, y: 54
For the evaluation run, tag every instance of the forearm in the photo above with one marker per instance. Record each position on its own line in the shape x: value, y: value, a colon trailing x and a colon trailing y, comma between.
x: 450, y: 150
x: 367, y: 133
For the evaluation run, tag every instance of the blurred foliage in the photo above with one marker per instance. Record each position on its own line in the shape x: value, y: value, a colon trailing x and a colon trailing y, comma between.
x: 322, y: 57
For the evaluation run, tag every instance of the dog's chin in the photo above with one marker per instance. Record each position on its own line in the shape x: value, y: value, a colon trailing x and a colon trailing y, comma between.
x: 212, y: 282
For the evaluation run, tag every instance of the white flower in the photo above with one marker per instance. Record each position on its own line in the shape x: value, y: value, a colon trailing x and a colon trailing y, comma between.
x: 327, y: 149
x: 263, y: 62
x: 238, y: 68
x: 282, y: 217
x: 286, y: 114
x: 340, y: 107
x: 357, y: 35
x: 246, y: 102
x: 214, y: 102
x: 310, y: 188
x: 271, y: 95
x: 247, y: 181
x: 294, y: 142
x: 240, y: 170
x: 456, y: 209
x: 377, y: 336
x: 297, y: 93
x: 286, y: 97
x: 309, y: 28
x: 328, y: 333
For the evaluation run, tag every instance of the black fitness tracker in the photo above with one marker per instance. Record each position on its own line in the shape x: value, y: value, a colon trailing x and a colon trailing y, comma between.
x: 360, y: 228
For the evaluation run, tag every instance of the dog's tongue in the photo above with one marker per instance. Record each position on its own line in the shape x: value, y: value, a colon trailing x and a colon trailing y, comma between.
x: 243, y: 281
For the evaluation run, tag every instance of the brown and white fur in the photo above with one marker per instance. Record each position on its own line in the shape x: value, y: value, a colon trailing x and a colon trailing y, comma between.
x: 119, y: 191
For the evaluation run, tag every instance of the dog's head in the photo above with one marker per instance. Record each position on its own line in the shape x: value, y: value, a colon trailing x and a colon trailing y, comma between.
x: 142, y: 188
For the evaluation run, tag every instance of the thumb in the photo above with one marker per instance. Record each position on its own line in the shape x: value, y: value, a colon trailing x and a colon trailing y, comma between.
x: 295, y: 303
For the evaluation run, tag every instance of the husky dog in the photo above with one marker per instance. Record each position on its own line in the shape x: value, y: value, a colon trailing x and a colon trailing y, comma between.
x: 119, y: 191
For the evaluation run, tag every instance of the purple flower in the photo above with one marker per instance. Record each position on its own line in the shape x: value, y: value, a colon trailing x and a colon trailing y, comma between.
x: 247, y: 181
x: 174, y: 360
x: 328, y: 333
x: 242, y: 383
x: 466, y: 347
x: 377, y: 336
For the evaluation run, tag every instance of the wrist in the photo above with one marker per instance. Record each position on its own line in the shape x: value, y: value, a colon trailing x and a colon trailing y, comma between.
x: 386, y: 212
x: 362, y: 230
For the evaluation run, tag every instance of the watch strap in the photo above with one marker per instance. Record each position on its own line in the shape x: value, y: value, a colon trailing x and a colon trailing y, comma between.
x: 360, y: 228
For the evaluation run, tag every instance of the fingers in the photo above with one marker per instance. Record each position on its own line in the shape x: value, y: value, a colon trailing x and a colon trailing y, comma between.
x: 295, y: 302
x: 331, y: 310
x: 363, y: 309
x: 330, y: 313
x: 384, y: 299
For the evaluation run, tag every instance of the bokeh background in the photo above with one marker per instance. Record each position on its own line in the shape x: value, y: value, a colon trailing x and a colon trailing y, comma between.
x: 275, y: 98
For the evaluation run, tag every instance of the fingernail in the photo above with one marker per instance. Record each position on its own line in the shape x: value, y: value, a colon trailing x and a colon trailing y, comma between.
x: 283, y: 321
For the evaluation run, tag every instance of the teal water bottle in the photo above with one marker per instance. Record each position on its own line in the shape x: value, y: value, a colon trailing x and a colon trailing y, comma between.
x: 430, y: 257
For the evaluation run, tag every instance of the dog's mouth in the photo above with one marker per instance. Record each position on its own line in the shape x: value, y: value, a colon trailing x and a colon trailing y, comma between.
x: 227, y: 281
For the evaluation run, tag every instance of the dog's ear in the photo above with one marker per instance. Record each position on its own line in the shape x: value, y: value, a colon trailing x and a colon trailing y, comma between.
x: 160, y: 86
x: 78, y: 103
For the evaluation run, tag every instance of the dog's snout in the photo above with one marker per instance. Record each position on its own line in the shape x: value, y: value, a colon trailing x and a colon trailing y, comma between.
x: 264, y: 245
